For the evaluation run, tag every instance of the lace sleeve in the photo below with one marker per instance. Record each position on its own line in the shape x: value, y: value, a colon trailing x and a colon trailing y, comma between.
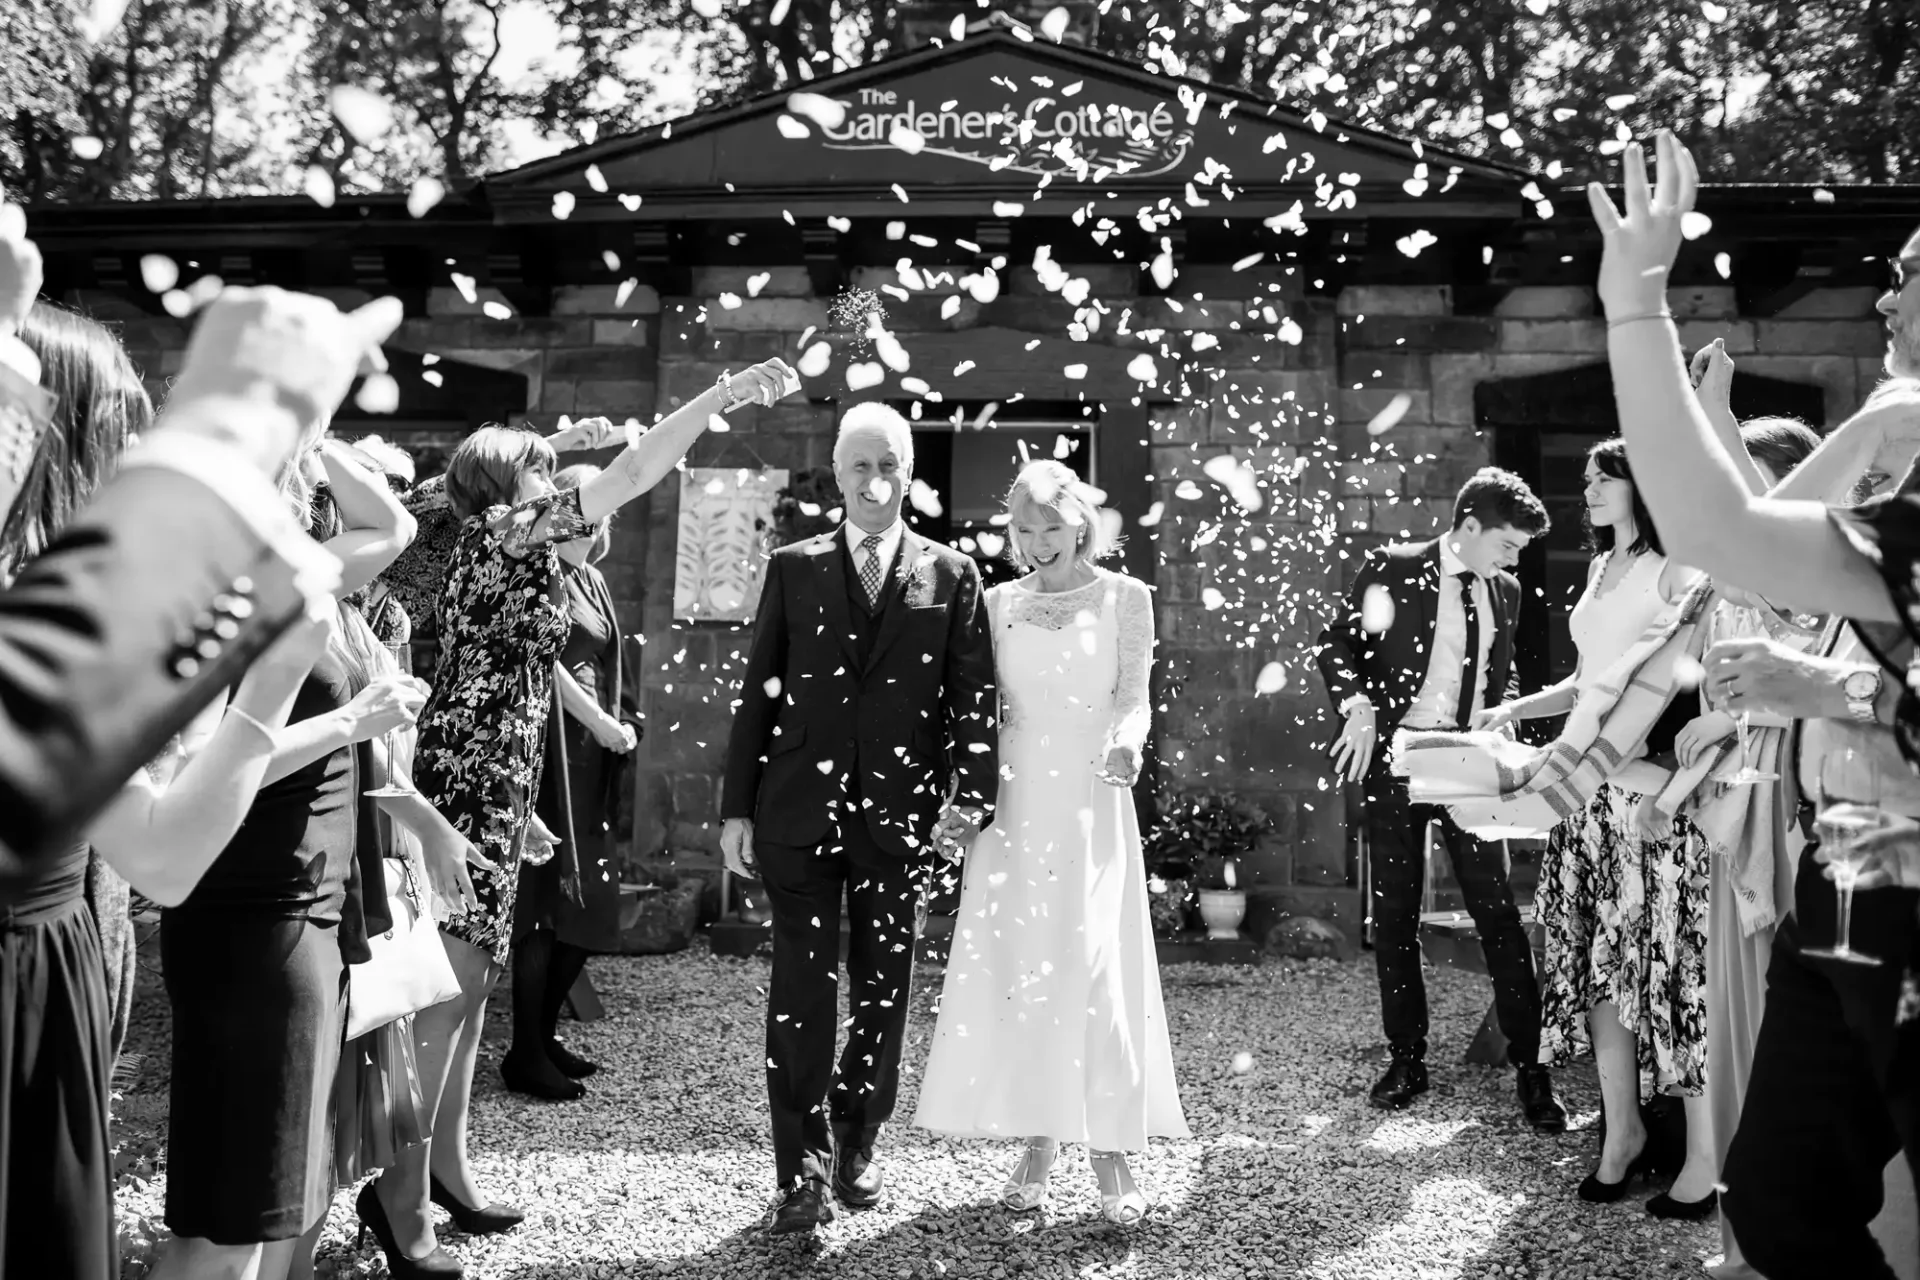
x: 1132, y: 716
x: 543, y: 521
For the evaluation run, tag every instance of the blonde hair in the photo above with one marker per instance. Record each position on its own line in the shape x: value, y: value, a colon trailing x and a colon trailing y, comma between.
x: 1051, y: 488
x: 574, y: 477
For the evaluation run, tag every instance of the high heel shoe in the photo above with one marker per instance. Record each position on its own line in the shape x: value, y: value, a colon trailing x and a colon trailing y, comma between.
x: 373, y: 1217
x: 1026, y: 1188
x: 1121, y: 1208
x: 485, y: 1221
x: 1594, y: 1191
x: 1665, y: 1206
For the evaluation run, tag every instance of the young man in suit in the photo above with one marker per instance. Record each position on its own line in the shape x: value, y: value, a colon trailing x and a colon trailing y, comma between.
x: 1425, y: 641
x: 864, y: 740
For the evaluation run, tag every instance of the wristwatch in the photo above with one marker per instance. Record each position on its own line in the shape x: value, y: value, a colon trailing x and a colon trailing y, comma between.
x: 1862, y: 689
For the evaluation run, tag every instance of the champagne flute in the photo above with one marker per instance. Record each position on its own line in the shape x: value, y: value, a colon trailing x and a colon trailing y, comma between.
x: 1748, y: 775
x: 1842, y: 822
x: 397, y: 784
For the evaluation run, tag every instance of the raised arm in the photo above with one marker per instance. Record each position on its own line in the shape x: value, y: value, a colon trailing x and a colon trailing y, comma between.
x: 1788, y: 551
x: 375, y: 527
x: 1132, y: 701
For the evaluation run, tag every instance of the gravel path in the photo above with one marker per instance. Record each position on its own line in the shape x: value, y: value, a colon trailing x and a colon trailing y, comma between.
x: 664, y: 1170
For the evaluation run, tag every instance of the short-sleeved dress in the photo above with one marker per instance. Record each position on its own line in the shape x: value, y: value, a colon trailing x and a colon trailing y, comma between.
x: 482, y: 736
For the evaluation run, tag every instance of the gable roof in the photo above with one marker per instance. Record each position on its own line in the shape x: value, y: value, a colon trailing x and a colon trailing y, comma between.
x: 1003, y: 117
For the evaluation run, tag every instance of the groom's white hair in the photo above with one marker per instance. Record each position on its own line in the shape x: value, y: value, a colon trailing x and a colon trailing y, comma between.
x: 874, y: 416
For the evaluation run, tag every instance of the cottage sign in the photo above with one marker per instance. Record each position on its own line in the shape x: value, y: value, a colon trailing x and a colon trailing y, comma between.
x: 1048, y: 135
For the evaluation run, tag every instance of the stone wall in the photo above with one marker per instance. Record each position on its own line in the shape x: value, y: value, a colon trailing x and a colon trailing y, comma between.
x: 1284, y: 382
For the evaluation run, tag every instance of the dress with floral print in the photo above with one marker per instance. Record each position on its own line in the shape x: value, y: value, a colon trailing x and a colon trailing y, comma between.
x: 503, y: 620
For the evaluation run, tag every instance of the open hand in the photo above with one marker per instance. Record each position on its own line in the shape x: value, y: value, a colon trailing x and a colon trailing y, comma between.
x: 1643, y: 239
x: 1353, y: 749
x: 587, y: 433
x: 736, y: 846
x: 1122, y: 768
x: 447, y: 857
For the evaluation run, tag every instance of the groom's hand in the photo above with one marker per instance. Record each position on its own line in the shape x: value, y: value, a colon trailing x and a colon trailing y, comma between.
x: 736, y: 846
x: 1353, y: 749
x: 955, y: 830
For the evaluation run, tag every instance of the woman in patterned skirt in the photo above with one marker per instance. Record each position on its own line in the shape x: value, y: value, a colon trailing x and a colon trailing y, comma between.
x: 1623, y: 906
x: 503, y: 620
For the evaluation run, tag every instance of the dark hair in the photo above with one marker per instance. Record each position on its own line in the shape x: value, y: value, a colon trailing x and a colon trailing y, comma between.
x: 1778, y: 444
x: 485, y: 468
x: 1500, y: 499
x: 1611, y: 457
x: 100, y: 402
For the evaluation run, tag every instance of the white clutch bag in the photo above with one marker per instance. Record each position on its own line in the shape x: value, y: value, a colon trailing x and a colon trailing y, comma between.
x: 409, y: 970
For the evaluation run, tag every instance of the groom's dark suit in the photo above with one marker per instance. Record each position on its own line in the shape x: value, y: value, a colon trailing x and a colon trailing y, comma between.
x: 1390, y: 666
x: 854, y: 719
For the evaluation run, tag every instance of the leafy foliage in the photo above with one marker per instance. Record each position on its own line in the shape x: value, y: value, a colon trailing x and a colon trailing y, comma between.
x: 1196, y: 834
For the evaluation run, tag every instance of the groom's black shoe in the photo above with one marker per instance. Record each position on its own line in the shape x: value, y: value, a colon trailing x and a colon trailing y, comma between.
x: 856, y: 1178
x: 1405, y: 1080
x: 805, y: 1207
x: 1537, y: 1103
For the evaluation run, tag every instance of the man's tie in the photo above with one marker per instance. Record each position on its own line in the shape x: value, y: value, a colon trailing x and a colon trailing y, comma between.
x: 871, y: 570
x: 1469, y: 661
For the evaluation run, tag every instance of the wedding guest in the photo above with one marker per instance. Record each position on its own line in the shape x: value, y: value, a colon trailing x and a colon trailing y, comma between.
x: 569, y: 906
x: 482, y: 737
x: 1623, y: 903
x: 1051, y: 1024
x: 1425, y: 642
x: 1831, y: 1095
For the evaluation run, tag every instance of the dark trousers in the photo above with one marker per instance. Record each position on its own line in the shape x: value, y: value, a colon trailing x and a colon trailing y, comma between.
x: 1832, y: 1094
x: 1396, y: 839
x: 804, y: 887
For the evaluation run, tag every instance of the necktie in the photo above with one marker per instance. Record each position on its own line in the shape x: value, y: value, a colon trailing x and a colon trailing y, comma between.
x: 871, y: 570
x: 1470, y: 660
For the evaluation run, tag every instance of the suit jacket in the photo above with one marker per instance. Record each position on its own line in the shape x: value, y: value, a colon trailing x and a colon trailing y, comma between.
x: 1390, y: 667
x: 918, y: 716
x: 154, y: 599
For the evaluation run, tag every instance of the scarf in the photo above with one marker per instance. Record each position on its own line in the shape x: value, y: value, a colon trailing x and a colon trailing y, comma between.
x: 1497, y: 788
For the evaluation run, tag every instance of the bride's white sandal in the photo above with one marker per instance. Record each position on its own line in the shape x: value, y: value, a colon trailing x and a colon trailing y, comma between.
x: 1125, y: 1207
x: 1026, y: 1189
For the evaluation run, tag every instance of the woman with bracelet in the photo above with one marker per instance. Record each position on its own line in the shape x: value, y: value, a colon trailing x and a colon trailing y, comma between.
x: 569, y: 906
x: 1622, y: 904
x: 503, y: 622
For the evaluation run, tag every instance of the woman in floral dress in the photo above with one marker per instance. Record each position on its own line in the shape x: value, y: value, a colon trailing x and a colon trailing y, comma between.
x: 503, y: 620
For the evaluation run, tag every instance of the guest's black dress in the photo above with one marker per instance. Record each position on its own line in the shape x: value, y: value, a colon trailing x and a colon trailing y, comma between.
x: 256, y: 974
x: 56, y: 1201
x: 578, y: 797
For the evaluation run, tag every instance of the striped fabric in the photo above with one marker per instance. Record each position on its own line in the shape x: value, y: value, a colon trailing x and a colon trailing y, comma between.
x: 1497, y: 788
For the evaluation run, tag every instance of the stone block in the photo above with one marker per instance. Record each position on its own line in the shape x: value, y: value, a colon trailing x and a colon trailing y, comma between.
x: 1373, y: 477
x: 1856, y: 303
x: 434, y: 333
x: 621, y: 333
x: 555, y: 397
x: 1737, y: 334
x: 1262, y: 282
x: 1454, y: 378
x: 1108, y: 281
x: 1396, y: 300
x: 617, y: 398
x: 533, y: 331
x: 1554, y: 335
x: 591, y: 363
x: 1184, y: 315
x: 1819, y: 338
x: 780, y: 281
x: 1703, y: 302
x: 1355, y: 515
x: 604, y: 300
x: 1403, y: 371
x: 927, y: 313
x: 926, y: 282
x: 448, y: 301
x: 1422, y: 333
x: 784, y: 314
x: 1413, y: 518
x: 1839, y: 375
x: 1547, y: 302
x: 1177, y: 424
x: 1363, y: 406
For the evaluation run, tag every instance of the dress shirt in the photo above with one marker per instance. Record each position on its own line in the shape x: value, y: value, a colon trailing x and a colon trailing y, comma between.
x: 1440, y: 696
x: 888, y: 548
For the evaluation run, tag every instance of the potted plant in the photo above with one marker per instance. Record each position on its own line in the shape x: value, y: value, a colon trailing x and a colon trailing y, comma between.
x: 800, y: 510
x: 1195, y: 843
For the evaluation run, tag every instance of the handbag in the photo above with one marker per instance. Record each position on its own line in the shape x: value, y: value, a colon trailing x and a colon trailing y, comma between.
x: 409, y: 970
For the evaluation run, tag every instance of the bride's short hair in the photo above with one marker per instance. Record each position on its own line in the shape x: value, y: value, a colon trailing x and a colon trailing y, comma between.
x: 1049, y: 487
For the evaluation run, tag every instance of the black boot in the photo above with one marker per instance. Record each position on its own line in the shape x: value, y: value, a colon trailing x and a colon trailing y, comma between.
x: 562, y: 972
x: 1534, y: 1084
x: 527, y: 1068
x: 1405, y: 1080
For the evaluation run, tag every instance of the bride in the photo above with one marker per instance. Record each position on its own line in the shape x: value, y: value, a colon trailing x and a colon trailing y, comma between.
x: 1051, y: 1026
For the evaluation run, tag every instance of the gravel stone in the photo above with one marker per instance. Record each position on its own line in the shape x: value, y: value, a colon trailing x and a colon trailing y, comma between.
x: 664, y: 1169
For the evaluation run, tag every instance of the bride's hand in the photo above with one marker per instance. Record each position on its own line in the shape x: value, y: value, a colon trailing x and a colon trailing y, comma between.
x: 1122, y: 767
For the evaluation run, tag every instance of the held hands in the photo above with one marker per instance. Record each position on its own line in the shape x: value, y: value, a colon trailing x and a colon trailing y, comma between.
x: 615, y: 735
x: 767, y: 383
x: 1353, y: 749
x: 736, y: 846
x: 1122, y: 768
x: 956, y: 829
x: 1643, y: 239
x: 1701, y: 735
x: 390, y: 702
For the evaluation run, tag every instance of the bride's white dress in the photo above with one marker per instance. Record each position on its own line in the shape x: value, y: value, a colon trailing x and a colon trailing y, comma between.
x: 1051, y: 1023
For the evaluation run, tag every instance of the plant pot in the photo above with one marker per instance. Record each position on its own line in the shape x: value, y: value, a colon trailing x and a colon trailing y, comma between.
x: 1167, y: 907
x: 1223, y: 910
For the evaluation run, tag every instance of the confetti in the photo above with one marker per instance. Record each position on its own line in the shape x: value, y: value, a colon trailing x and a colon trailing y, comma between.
x: 378, y: 393
x: 318, y: 185
x: 1694, y: 224
x: 1272, y: 679
x: 1389, y: 417
x: 1242, y: 1063
x: 1723, y: 263
x: 1376, y: 610
x: 363, y: 113
x: 423, y: 195
x: 87, y: 147
x: 159, y: 272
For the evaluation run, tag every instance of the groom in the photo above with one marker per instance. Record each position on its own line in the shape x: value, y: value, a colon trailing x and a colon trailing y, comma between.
x: 1426, y: 640
x: 863, y: 742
